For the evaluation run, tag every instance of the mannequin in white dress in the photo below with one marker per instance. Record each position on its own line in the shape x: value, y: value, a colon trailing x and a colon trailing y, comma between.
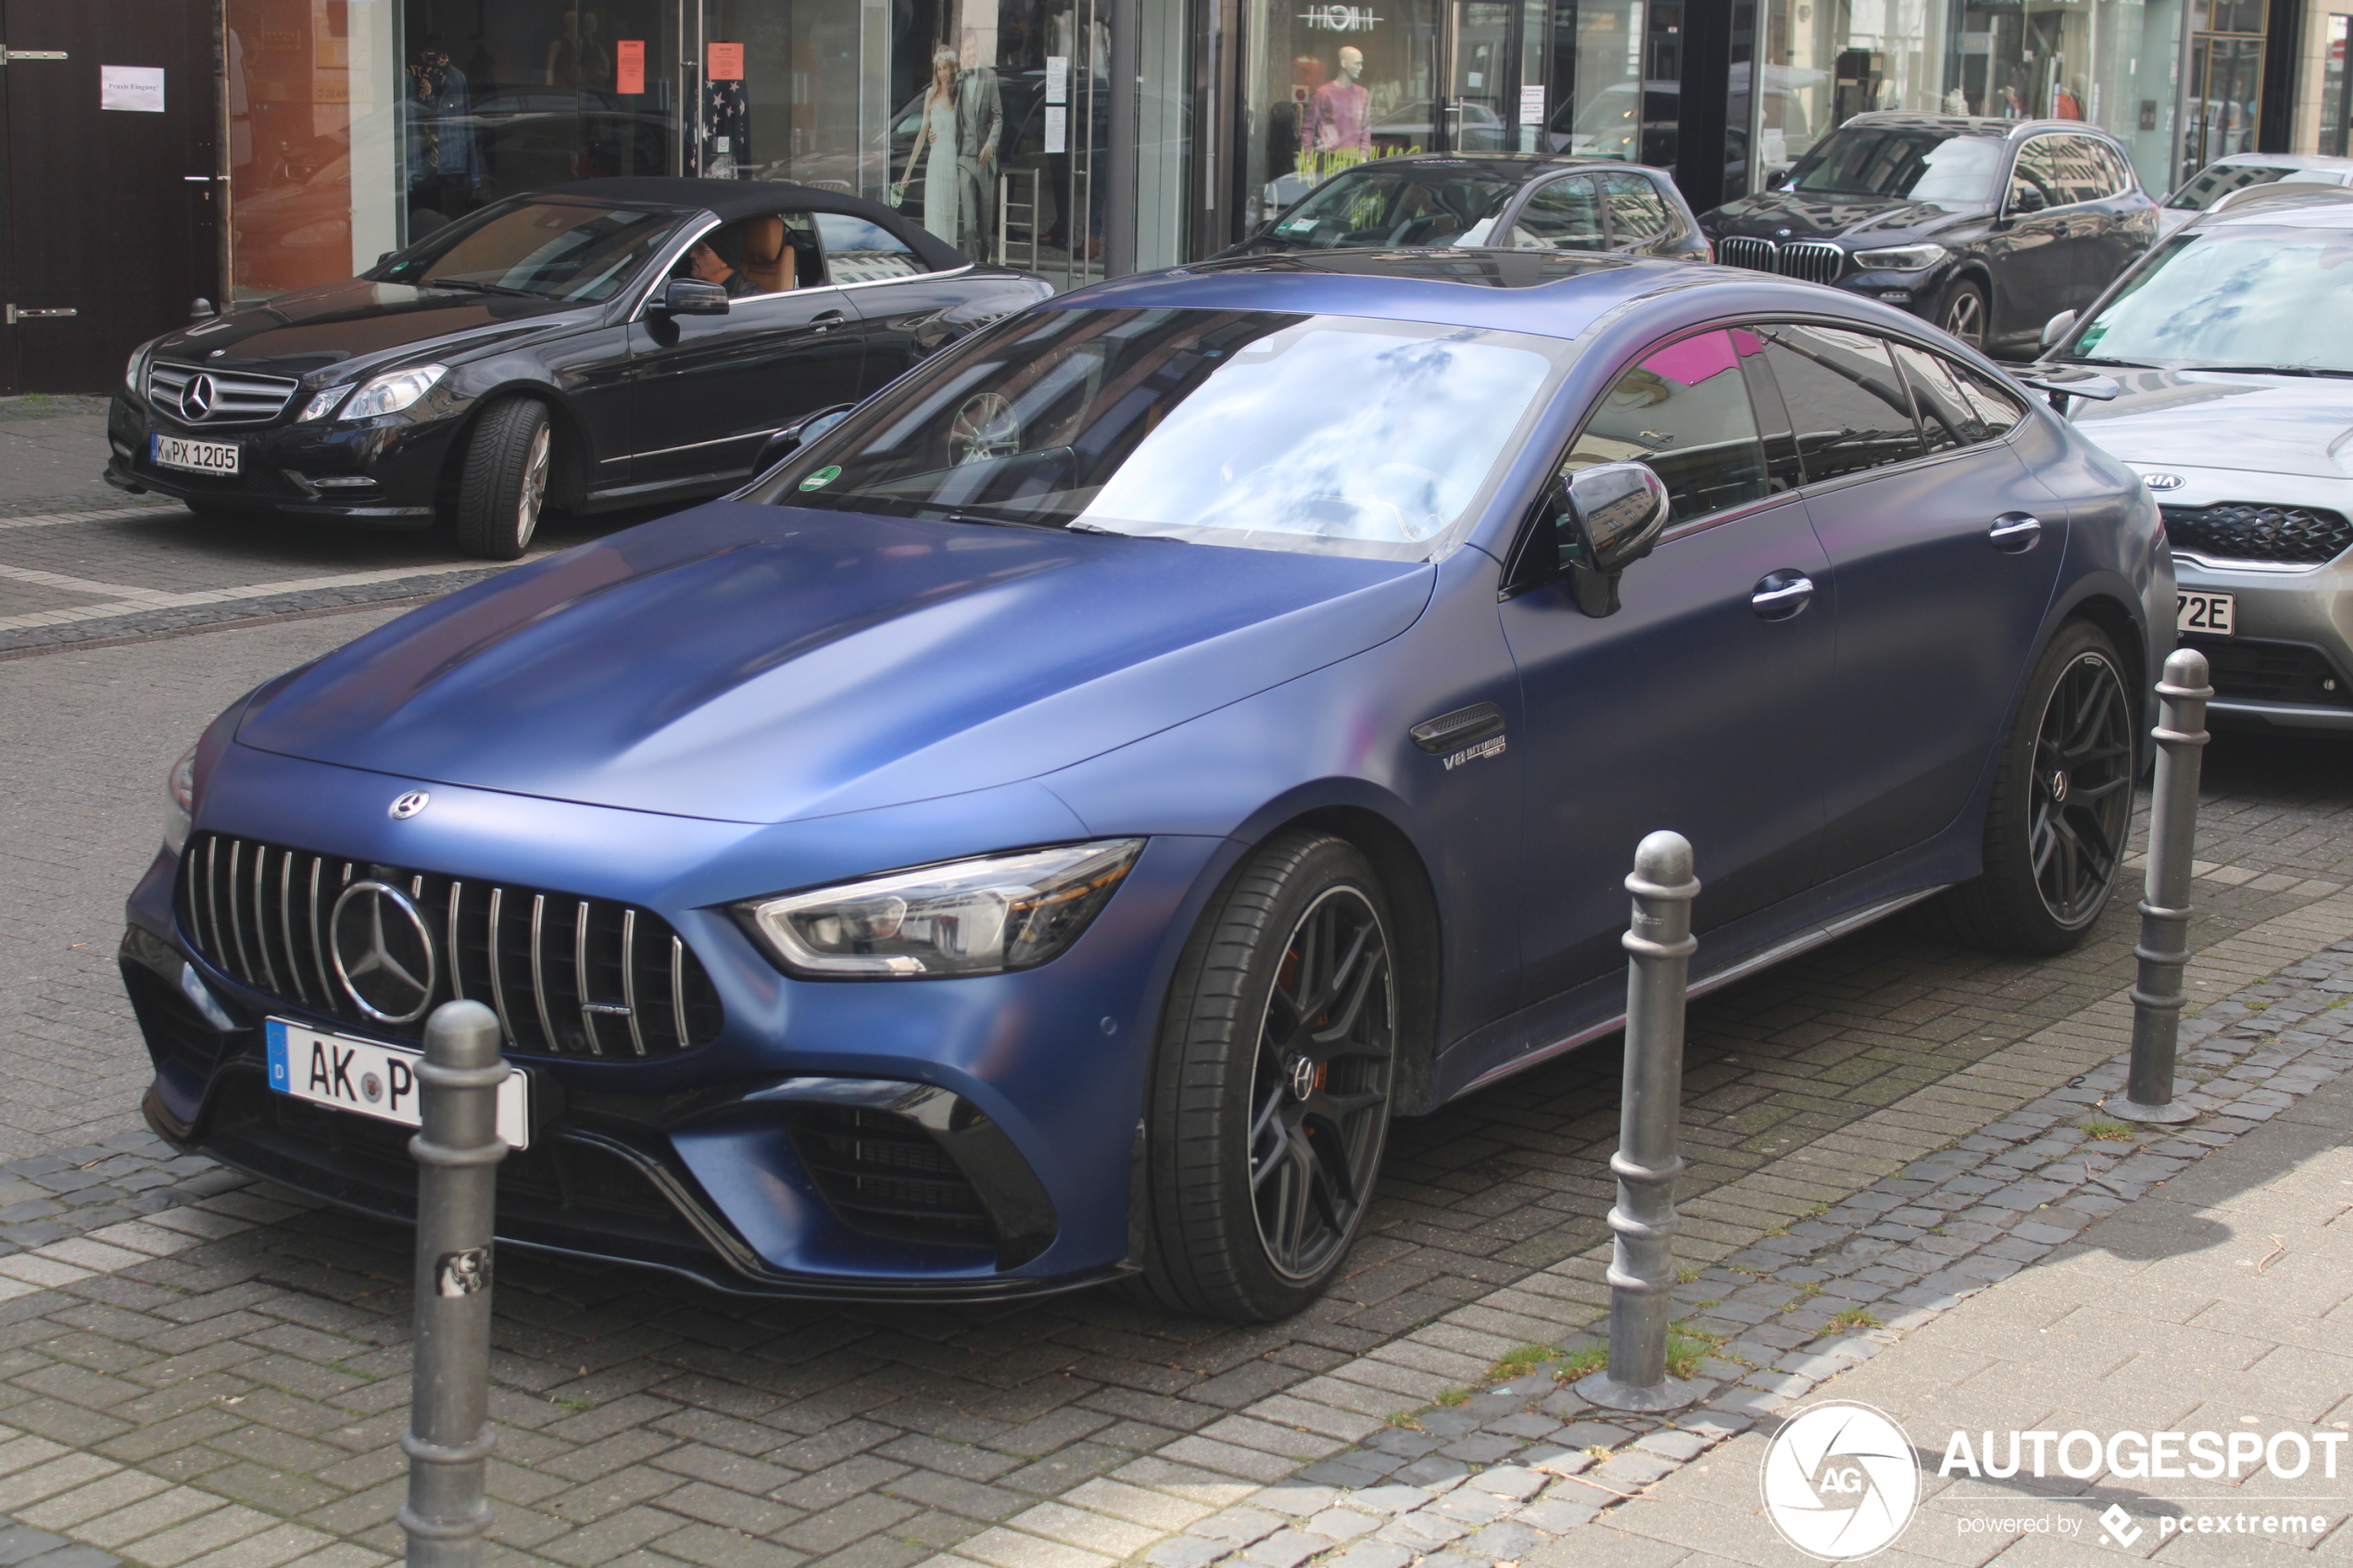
x: 942, y: 182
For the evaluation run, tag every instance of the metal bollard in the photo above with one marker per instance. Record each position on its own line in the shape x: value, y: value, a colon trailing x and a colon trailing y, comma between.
x: 1642, y: 1268
x: 449, y: 1439
x: 2165, y: 902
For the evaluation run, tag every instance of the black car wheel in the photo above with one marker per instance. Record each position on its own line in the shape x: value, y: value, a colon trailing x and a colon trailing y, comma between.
x: 2062, y: 806
x: 1965, y: 314
x: 504, y: 483
x: 1270, y: 1098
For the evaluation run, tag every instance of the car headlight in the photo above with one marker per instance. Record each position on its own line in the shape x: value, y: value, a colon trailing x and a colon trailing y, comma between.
x: 180, y: 801
x: 390, y: 393
x: 1901, y: 259
x: 137, y: 364
x: 981, y: 916
x: 322, y: 404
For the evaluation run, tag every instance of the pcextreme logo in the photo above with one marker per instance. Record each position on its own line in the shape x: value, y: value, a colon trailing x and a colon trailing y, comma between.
x: 1840, y: 1481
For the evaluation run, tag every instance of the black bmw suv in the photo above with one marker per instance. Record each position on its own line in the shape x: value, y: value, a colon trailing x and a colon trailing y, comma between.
x: 1986, y: 227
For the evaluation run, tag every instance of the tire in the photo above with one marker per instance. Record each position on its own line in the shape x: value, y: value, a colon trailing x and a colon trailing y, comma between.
x: 1255, y: 1190
x: 503, y: 486
x: 1965, y: 314
x: 2062, y: 806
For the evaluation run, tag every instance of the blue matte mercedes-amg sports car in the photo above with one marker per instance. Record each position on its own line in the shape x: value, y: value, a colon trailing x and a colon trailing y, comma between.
x: 1042, y: 830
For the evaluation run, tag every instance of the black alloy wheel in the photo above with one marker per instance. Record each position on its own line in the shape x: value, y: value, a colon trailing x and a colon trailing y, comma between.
x: 2061, y: 809
x: 2082, y: 789
x: 1965, y: 314
x: 1270, y: 1093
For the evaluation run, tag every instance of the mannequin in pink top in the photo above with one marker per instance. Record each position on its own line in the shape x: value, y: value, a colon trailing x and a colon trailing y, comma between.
x: 1339, y: 116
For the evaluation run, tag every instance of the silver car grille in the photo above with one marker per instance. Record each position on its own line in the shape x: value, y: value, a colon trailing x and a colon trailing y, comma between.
x: 567, y: 975
x: 1812, y: 261
x: 2239, y: 531
x: 224, y: 397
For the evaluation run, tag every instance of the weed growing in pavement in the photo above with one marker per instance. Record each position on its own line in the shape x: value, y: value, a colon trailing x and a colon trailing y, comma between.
x: 1452, y: 1397
x: 1686, y: 1275
x: 1410, y: 1421
x: 1585, y: 1359
x: 1684, y: 1353
x: 1856, y: 1317
x: 2110, y: 1132
x: 1598, y: 1452
x: 1528, y: 1358
x: 577, y: 1403
x: 1818, y: 1210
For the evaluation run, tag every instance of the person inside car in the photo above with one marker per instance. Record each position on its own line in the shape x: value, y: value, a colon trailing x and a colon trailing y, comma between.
x: 767, y: 264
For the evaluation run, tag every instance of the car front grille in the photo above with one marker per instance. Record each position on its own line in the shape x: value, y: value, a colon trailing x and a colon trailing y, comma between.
x: 2254, y: 670
x: 1812, y: 261
x: 567, y: 975
x: 2240, y: 531
x: 232, y: 397
x: 884, y: 1175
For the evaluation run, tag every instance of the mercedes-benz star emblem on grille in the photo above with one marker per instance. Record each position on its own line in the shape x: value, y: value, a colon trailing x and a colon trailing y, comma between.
x: 196, y: 398
x: 383, y: 952
x: 409, y: 804
x: 2162, y: 481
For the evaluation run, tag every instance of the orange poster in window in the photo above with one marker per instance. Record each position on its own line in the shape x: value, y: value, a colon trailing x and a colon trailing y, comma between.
x: 726, y: 62
x: 629, y: 65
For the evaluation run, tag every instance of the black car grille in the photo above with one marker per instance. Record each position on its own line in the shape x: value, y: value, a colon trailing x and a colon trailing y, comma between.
x: 568, y: 975
x: 2254, y: 670
x: 882, y: 1174
x: 236, y: 398
x: 1812, y: 261
x: 2240, y: 531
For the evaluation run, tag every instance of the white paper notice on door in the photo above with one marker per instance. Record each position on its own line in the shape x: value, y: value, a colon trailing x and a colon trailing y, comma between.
x: 1531, y: 106
x: 136, y: 88
x: 1057, y: 129
x: 1058, y: 78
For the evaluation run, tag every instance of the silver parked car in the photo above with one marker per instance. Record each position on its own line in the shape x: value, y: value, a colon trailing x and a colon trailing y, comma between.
x: 2233, y: 342
x: 2227, y: 179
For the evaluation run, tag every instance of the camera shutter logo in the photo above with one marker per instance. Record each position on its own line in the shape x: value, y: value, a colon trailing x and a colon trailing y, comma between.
x: 383, y: 952
x: 1840, y: 1481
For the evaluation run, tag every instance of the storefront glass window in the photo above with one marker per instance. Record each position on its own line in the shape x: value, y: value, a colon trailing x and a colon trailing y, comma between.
x: 1331, y: 86
x: 2336, y: 105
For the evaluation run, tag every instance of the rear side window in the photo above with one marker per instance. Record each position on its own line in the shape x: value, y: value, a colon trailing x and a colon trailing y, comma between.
x: 1637, y: 212
x: 1947, y: 424
x: 1684, y: 410
x: 1847, y: 404
x: 2083, y: 170
x: 1995, y: 405
x: 860, y: 252
x: 2034, y: 177
x: 1563, y: 215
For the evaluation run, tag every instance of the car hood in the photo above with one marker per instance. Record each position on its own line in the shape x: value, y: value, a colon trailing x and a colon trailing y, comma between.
x: 759, y: 664
x: 310, y: 329
x: 2200, y: 419
x: 1793, y: 215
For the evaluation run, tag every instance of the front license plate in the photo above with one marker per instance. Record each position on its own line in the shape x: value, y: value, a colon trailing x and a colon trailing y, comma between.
x: 2213, y: 614
x: 196, y: 457
x: 374, y: 1080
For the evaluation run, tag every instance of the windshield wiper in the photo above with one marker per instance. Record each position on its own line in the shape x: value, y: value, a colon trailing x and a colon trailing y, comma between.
x: 1081, y: 526
x: 2096, y: 360
x: 473, y: 287
x: 2268, y: 369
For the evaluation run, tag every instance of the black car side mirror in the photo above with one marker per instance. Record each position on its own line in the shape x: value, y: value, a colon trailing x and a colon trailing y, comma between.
x: 1590, y: 528
x: 799, y: 434
x: 2029, y: 199
x: 691, y: 296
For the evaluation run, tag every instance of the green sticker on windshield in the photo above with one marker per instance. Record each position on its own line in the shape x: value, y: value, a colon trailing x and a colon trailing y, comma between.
x: 823, y: 477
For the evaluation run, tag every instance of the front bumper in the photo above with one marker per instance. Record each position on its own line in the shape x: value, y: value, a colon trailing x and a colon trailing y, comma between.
x: 944, y: 1140
x: 386, y: 472
x: 2289, y: 664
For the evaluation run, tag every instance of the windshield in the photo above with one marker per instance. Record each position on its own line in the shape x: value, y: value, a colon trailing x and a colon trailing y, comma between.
x: 1261, y: 429
x: 2273, y: 297
x: 2219, y: 180
x: 1917, y: 165
x: 551, y: 250
x: 1415, y: 205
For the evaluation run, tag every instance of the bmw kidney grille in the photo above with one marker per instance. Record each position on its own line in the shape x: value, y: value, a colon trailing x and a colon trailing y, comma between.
x: 380, y: 946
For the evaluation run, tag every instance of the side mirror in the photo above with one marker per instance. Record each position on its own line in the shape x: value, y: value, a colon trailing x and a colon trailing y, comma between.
x: 691, y: 296
x: 1590, y: 529
x: 2057, y: 327
x: 2027, y: 199
x: 799, y: 434
x: 2063, y: 381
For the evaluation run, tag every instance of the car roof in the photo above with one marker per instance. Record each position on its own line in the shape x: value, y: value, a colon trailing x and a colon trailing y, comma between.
x: 2306, y: 207
x: 730, y: 199
x: 1974, y: 125
x: 2280, y: 160
x: 1525, y: 165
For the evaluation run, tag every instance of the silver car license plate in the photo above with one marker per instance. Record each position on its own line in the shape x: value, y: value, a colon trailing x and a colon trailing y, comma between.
x: 196, y: 457
x: 374, y: 1079
x: 2213, y: 615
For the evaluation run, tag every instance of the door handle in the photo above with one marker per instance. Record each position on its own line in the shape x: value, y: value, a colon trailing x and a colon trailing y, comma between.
x: 2014, y: 533
x: 826, y: 320
x: 1779, y: 596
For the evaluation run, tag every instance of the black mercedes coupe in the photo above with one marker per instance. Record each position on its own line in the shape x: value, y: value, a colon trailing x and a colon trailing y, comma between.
x: 610, y: 344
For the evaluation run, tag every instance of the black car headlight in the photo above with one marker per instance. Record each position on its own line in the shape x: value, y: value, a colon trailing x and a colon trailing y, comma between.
x: 981, y: 916
x: 1901, y: 259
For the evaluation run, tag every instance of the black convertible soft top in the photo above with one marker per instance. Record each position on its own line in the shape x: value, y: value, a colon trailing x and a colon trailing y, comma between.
x: 731, y: 199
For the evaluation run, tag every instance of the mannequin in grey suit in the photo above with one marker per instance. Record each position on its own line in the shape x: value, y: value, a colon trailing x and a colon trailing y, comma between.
x: 980, y: 124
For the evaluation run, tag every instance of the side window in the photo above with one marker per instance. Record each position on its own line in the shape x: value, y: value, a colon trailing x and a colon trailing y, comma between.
x: 2034, y: 180
x: 1565, y: 215
x: 1997, y: 406
x: 2122, y: 180
x: 1684, y: 410
x: 1947, y: 424
x: 1850, y: 411
x: 2082, y: 172
x: 860, y: 252
x: 1637, y: 212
